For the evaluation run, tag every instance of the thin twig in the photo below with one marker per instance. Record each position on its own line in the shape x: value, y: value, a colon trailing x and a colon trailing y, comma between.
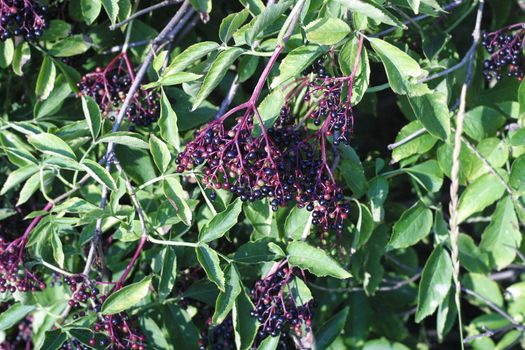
x: 144, y: 11
x: 520, y: 327
x: 229, y: 97
x: 393, y: 287
x: 416, y: 19
x: 407, y: 139
x: 487, y: 333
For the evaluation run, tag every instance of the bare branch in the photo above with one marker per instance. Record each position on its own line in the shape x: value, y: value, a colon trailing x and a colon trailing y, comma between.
x: 143, y: 12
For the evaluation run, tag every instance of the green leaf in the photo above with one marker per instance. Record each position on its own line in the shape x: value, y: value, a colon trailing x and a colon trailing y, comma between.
x: 501, y: 239
x: 435, y: 283
x: 414, y: 5
x: 298, y: 224
x: 54, y: 101
x: 470, y: 256
x: 432, y: 111
x: 92, y: 115
x: 175, y: 194
x: 231, y: 23
x: 270, y: 343
x: 413, y: 225
x: 314, y: 260
x: 481, y: 193
x: 255, y: 252
x: 517, y: 174
x: 485, y: 287
x: 53, y: 340
x: 46, y: 79
x: 52, y: 145
x: 384, y: 344
x: 218, y: 70
x: 126, y: 297
x: 377, y: 192
x: 299, y: 291
x: 17, y: 176
x: 254, y: 6
x: 7, y: 52
x: 30, y: 187
x: 260, y: 216
x: 327, y: 31
x: 112, y: 8
x: 221, y: 223
x: 518, y: 139
x: 168, y: 273
x: 101, y: 175
x: 58, y: 251
x: 125, y: 138
x: 209, y: 261
x: 399, y: 66
x: 21, y: 57
x: 269, y: 15
x: 90, y: 10
x: 521, y: 98
x: 71, y: 46
x: 347, y: 57
x: 14, y: 314
x: 226, y: 299
x: 191, y: 55
x: 295, y: 62
x: 269, y: 110
x: 371, y: 10
x: 482, y: 122
x: 419, y: 145
x: 428, y: 174
x: 245, y: 325
x: 247, y: 67
x: 168, y: 123
x: 174, y: 78
x: 331, y: 329
x: 160, y: 152
x: 446, y: 315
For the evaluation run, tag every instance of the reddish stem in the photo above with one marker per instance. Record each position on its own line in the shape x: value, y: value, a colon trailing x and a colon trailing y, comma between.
x: 131, y: 263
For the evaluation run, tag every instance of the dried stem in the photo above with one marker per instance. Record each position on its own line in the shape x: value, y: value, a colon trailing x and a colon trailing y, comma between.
x: 454, y: 186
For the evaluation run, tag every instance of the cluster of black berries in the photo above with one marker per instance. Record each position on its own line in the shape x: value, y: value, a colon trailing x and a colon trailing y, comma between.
x: 13, y: 274
x: 109, y: 86
x: 19, y: 337
x: 325, y: 104
x: 118, y: 328
x: 220, y: 337
x: 505, y: 47
x: 24, y: 18
x: 285, y: 163
x: 276, y: 307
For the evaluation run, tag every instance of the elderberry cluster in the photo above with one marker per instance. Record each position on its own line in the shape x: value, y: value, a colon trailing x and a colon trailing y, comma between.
x: 19, y: 337
x: 220, y: 337
x: 288, y: 162
x: 23, y: 18
x: 109, y: 86
x: 13, y: 274
x: 118, y: 328
x: 328, y: 108
x: 505, y: 47
x: 276, y: 308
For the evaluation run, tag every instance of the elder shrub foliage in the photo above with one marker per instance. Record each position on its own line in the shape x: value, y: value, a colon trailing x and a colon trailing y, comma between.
x: 289, y: 174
